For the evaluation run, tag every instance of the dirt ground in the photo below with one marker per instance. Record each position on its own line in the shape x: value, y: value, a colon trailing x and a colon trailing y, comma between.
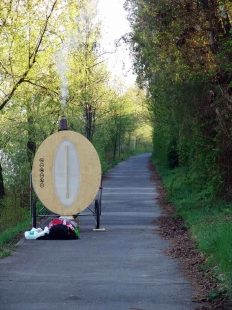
x: 184, y: 249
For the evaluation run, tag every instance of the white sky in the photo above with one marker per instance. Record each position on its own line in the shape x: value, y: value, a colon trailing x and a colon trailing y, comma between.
x: 114, y: 25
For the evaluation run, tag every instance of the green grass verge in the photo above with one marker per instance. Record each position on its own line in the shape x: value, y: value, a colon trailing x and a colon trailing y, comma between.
x: 8, y: 235
x: 209, y: 221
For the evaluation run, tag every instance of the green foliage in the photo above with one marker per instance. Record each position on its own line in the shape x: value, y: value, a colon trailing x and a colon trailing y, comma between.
x: 172, y: 154
x: 13, y: 211
x: 160, y: 142
x: 25, y: 33
x: 14, y: 219
x: 187, y: 77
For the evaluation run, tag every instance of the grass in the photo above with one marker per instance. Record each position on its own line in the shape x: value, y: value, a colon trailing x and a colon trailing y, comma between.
x: 6, y: 252
x: 209, y: 221
x: 14, y: 219
x: 8, y: 235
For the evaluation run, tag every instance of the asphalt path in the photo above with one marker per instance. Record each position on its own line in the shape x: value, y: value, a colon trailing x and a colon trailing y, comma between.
x: 119, y: 269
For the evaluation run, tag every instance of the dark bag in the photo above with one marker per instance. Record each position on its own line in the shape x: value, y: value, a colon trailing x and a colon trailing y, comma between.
x: 61, y: 231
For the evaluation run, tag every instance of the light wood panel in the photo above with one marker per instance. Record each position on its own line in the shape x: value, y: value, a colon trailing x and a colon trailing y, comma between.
x: 43, y: 173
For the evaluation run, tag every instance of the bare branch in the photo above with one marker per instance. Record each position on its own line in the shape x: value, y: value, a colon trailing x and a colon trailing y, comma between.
x: 32, y: 60
x: 41, y: 86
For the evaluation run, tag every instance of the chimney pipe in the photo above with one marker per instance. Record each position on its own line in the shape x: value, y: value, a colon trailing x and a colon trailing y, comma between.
x: 63, y: 123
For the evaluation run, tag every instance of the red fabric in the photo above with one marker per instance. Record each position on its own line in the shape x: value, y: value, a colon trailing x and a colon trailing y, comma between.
x: 61, y: 221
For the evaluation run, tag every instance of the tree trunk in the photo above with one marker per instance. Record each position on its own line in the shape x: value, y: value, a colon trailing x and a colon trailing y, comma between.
x: 2, y: 189
x: 88, y: 117
x: 31, y: 145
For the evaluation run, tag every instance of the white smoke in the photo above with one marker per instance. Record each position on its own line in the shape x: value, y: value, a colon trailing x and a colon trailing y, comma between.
x: 61, y: 59
x: 74, y: 40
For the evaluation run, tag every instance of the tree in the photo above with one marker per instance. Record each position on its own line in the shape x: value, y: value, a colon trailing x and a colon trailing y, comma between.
x: 88, y: 75
x: 181, y: 56
x: 30, y: 33
x: 24, y: 28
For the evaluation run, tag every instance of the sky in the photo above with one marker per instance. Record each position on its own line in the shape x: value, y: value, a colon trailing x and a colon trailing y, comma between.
x: 114, y: 26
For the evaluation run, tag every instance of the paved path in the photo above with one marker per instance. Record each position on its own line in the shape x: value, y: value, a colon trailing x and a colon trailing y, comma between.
x: 122, y: 268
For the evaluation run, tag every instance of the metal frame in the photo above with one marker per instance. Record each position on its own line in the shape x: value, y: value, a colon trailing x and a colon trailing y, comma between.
x: 96, y: 212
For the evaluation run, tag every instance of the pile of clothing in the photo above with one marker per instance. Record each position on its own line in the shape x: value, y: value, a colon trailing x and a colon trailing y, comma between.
x: 60, y: 228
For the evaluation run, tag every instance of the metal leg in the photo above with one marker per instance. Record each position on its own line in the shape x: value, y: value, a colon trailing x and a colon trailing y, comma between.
x: 97, y: 214
x: 34, y: 213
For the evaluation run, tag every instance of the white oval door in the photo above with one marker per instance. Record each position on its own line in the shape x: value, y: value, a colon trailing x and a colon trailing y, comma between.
x: 66, y: 173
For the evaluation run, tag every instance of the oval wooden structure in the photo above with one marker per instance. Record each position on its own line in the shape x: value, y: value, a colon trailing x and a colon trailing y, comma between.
x: 66, y: 173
